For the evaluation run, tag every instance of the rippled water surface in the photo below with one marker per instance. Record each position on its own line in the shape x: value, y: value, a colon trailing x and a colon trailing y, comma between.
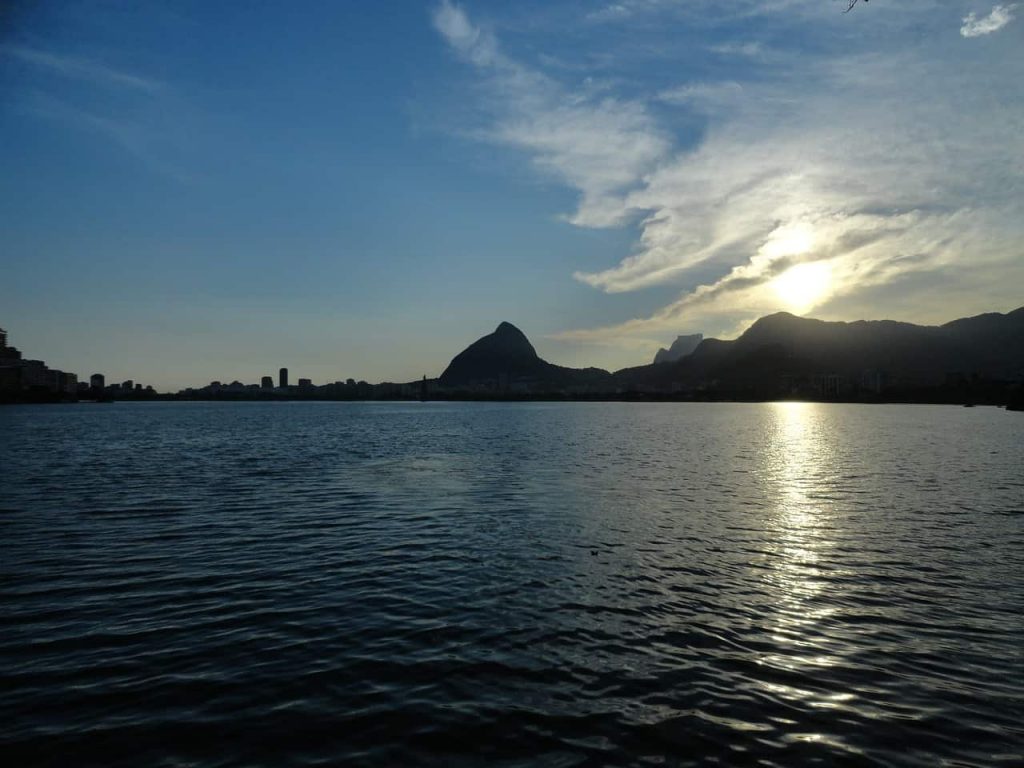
x: 511, y: 584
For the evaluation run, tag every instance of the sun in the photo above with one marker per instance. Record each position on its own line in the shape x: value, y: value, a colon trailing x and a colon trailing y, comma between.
x: 804, y: 286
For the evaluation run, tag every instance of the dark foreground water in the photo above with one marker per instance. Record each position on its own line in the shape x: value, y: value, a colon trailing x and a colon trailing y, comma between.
x: 511, y: 584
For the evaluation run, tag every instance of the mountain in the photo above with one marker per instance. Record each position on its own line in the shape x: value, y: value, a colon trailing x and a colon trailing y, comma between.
x: 681, y: 347
x: 506, y: 359
x: 779, y: 355
x: 782, y: 353
x: 990, y: 345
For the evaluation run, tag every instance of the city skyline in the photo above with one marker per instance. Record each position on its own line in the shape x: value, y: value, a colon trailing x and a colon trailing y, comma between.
x: 358, y: 190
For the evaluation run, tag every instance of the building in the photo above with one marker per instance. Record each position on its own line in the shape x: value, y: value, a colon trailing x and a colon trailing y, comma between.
x: 10, y: 365
x: 34, y: 375
x: 128, y: 385
x: 63, y: 383
x: 282, y: 378
x: 20, y: 375
x: 97, y: 381
x: 267, y: 382
x: 828, y: 384
x: 873, y: 381
x: 7, y: 354
x: 305, y: 383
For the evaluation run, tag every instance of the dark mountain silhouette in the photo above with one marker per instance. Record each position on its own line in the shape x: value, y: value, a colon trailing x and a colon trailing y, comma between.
x: 779, y: 355
x: 784, y: 351
x: 681, y: 347
x: 506, y: 358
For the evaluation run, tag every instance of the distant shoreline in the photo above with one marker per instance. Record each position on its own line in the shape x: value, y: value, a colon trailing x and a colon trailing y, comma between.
x: 551, y: 398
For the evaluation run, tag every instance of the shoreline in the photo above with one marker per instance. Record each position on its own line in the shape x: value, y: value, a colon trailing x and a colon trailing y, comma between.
x: 1009, y: 405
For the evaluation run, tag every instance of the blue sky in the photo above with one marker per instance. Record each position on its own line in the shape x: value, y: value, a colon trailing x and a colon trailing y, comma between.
x: 197, y: 191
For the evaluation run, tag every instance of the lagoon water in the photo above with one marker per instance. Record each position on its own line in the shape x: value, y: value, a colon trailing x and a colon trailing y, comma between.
x: 201, y: 584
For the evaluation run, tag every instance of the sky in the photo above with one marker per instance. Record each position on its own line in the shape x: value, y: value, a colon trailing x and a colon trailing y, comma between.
x: 195, y: 191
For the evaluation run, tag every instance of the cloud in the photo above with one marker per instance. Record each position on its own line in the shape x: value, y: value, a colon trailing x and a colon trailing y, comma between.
x: 883, y: 181
x: 626, y: 10
x: 1000, y: 16
x: 80, y: 69
x: 750, y: 49
x: 854, y: 160
x: 705, y: 96
x: 146, y: 142
x: 139, y: 115
x: 597, y: 144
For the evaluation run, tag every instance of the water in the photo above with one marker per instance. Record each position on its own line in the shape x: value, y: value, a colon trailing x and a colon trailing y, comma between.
x: 511, y: 584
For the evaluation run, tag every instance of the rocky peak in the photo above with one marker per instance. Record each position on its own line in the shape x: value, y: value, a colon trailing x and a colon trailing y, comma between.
x: 681, y: 347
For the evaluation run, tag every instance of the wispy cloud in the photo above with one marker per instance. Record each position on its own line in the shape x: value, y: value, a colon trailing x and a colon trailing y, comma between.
x: 80, y: 69
x: 596, y: 143
x: 147, y: 143
x: 882, y: 180
x: 999, y: 17
x: 852, y: 160
x: 705, y: 94
x: 139, y: 115
x: 625, y: 10
x: 750, y: 49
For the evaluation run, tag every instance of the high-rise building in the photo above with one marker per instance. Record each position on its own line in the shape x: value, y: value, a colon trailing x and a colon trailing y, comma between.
x: 305, y: 383
x: 97, y: 380
x: 267, y: 382
x: 67, y: 382
x: 282, y: 378
x: 7, y: 353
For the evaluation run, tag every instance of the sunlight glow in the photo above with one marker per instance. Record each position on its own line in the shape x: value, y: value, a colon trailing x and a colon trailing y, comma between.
x: 790, y: 240
x: 804, y: 286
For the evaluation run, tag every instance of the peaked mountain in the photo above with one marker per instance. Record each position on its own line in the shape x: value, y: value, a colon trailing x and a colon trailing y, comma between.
x: 681, y: 347
x: 506, y: 358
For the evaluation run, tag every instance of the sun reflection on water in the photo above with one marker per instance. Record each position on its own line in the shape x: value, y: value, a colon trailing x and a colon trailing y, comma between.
x: 797, y: 479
